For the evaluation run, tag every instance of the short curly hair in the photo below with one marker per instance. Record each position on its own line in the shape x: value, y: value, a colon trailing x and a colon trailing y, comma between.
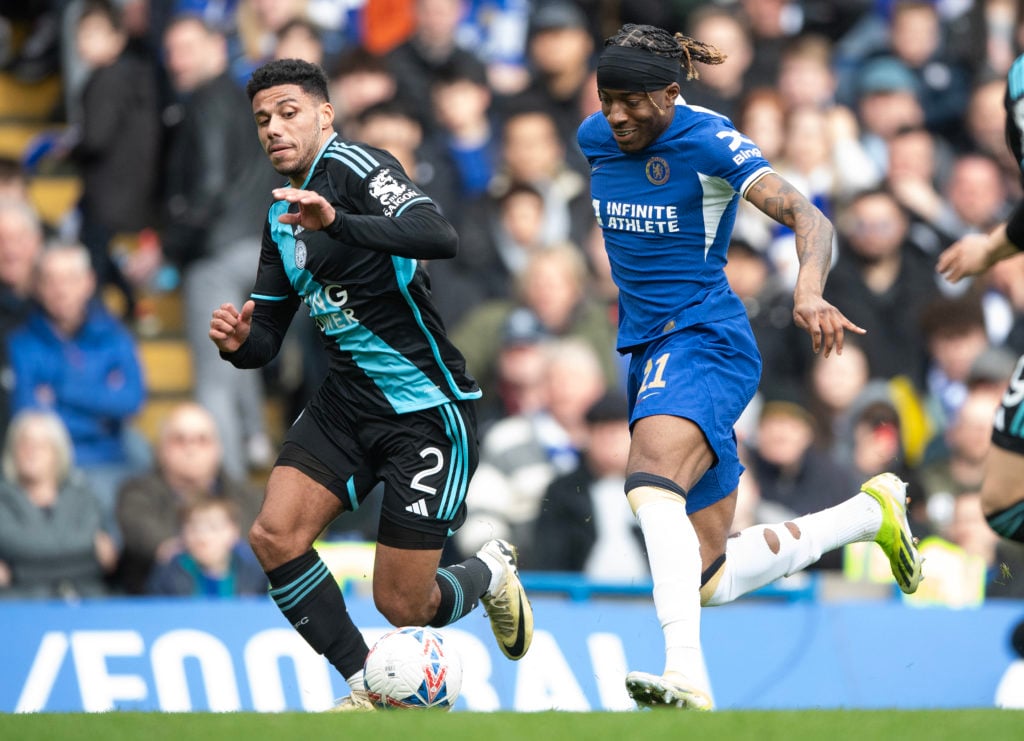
x: 310, y: 77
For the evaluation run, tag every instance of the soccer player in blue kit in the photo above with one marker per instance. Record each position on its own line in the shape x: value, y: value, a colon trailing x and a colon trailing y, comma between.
x: 665, y: 182
x: 345, y: 237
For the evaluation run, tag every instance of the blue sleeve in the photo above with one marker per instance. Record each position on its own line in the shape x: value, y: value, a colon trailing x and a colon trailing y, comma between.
x: 724, y: 152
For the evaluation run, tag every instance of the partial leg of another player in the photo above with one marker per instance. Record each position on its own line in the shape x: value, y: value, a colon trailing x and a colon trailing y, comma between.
x: 1002, y: 493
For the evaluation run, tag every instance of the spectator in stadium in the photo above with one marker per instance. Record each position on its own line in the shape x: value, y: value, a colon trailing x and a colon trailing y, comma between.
x: 918, y: 40
x: 359, y: 80
x: 883, y: 283
x: 773, y: 24
x: 533, y: 153
x: 832, y: 386
x: 214, y: 560
x: 919, y: 165
x: 887, y: 101
x: 116, y: 145
x: 955, y: 336
x: 806, y: 76
x: 584, y: 526
x: 794, y: 475
x: 521, y: 454
x: 553, y: 285
x: 769, y: 304
x: 559, y: 51
x: 984, y: 128
x: 258, y: 24
x: 499, y: 235
x: 52, y: 541
x: 74, y: 358
x: 189, y: 468
x: 433, y: 46
x: 217, y: 185
x: 21, y: 243
x: 470, y: 136
x: 299, y: 39
x: 721, y: 88
x: 519, y: 386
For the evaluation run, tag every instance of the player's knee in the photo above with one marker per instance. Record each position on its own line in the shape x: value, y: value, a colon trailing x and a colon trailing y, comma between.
x: 272, y: 546
x: 400, y: 611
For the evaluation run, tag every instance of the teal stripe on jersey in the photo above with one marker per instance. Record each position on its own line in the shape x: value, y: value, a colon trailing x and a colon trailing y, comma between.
x: 1018, y: 422
x: 358, y: 168
x: 1015, y: 78
x: 357, y: 153
x: 265, y: 297
x: 404, y: 386
x: 405, y: 269
x: 406, y: 205
x: 291, y: 594
x: 312, y: 167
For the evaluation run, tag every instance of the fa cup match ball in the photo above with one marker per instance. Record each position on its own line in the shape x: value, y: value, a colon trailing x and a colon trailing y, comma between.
x: 413, y: 667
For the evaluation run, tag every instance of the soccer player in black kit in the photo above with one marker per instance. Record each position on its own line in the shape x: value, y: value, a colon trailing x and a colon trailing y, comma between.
x: 345, y: 237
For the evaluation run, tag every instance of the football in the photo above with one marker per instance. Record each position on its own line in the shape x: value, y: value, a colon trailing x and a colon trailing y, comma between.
x: 413, y: 667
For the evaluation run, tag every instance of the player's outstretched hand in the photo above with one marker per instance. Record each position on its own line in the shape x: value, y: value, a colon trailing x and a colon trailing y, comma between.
x: 824, y: 323
x: 229, y: 328
x: 315, y: 212
x: 970, y: 255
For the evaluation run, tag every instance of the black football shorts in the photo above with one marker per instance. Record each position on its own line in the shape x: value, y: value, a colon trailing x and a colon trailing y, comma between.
x: 424, y: 458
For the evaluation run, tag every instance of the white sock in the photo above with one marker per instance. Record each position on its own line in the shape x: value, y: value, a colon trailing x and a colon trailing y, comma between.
x: 496, y: 567
x: 674, y: 554
x: 356, y: 682
x: 750, y: 563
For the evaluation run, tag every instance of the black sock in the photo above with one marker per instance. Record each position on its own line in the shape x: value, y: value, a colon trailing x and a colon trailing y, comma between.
x: 462, y: 585
x: 307, y: 594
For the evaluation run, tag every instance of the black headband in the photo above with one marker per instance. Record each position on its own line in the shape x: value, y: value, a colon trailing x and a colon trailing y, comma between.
x: 634, y: 69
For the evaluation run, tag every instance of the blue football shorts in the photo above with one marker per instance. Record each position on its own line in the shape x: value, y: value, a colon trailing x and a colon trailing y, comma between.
x: 706, y: 373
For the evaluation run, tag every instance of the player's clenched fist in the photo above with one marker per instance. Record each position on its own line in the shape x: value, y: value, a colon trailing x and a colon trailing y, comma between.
x: 229, y: 328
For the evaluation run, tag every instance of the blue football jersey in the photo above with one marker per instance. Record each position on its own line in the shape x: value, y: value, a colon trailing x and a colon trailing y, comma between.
x: 667, y: 214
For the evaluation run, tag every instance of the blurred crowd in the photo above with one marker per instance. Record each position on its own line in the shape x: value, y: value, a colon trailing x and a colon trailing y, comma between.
x: 888, y: 114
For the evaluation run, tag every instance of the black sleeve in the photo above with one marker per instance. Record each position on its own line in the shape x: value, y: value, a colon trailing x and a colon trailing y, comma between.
x: 276, y: 302
x: 421, y: 232
x: 270, y: 322
x: 384, y: 211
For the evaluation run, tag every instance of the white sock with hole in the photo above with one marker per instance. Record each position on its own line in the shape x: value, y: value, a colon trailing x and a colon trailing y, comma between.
x: 750, y: 562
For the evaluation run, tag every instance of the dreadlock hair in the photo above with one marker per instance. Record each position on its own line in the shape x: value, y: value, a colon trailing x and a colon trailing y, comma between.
x: 664, y: 44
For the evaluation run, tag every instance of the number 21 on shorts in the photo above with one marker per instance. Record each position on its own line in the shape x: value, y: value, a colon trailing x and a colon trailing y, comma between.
x: 658, y: 367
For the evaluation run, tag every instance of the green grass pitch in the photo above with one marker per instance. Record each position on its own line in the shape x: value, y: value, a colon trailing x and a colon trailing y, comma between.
x: 829, y: 725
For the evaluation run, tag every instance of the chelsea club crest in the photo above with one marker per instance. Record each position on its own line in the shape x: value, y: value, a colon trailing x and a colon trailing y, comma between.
x: 657, y: 171
x: 300, y: 254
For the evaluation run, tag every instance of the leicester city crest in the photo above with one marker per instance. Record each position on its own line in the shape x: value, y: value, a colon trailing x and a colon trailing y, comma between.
x: 657, y: 171
x: 300, y: 254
